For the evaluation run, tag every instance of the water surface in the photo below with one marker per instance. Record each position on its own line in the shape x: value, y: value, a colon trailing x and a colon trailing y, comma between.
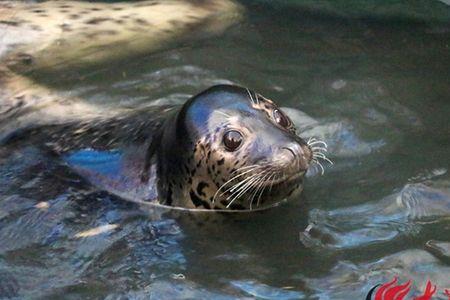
x: 375, y: 82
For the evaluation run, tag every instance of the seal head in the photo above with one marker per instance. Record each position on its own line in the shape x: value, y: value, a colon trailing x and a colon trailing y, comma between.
x: 229, y: 148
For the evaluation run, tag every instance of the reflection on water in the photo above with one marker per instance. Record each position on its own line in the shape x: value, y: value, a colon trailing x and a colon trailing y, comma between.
x: 376, y: 90
x: 399, y: 214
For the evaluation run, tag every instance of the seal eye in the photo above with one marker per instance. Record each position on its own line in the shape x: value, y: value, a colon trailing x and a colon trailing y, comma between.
x: 280, y: 118
x: 232, y: 140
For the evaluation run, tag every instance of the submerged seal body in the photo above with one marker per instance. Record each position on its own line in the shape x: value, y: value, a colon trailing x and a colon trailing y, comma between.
x: 225, y: 148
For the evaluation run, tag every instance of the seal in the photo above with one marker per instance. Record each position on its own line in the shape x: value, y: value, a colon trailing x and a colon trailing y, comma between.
x: 227, y: 148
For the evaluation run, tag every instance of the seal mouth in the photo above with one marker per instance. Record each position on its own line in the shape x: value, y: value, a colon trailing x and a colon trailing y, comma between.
x: 285, y: 179
x: 263, y: 187
x: 261, y: 176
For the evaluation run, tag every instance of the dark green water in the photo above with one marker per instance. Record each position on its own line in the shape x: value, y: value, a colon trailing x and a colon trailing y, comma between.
x: 377, y: 82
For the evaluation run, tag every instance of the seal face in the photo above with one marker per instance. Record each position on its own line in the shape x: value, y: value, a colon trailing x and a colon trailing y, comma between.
x: 229, y: 148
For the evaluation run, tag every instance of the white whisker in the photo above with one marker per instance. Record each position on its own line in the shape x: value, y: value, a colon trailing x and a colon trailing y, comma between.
x: 322, y: 156
x: 315, y: 153
x: 256, y: 187
x: 321, y: 167
x: 239, y: 184
x: 319, y: 149
x: 246, y: 183
x: 241, y: 191
x: 250, y: 95
x: 272, y: 181
x: 264, y: 186
x: 245, y: 167
x: 328, y: 160
x: 312, y: 143
x: 230, y: 180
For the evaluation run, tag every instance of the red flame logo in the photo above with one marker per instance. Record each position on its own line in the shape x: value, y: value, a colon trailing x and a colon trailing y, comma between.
x: 429, y: 291
x: 393, y: 291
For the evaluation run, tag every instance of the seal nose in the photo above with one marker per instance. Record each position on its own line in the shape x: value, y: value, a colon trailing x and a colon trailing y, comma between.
x: 300, y: 153
x: 290, y: 150
x: 295, y: 149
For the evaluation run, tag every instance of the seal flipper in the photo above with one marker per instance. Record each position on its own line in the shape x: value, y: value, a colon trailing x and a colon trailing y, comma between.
x: 115, y: 171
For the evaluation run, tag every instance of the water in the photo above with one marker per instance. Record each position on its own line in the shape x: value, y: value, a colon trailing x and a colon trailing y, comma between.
x: 376, y: 85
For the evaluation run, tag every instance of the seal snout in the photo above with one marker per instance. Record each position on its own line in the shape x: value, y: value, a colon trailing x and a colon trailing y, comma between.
x: 298, y: 155
x: 292, y: 151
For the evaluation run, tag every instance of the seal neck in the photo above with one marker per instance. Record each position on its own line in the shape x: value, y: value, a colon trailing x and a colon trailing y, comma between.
x: 173, y: 158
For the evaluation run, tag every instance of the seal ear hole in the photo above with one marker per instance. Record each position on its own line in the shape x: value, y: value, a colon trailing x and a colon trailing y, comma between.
x: 280, y: 118
x: 232, y: 140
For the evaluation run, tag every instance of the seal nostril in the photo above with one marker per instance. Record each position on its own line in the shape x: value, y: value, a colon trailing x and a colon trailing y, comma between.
x: 290, y: 150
